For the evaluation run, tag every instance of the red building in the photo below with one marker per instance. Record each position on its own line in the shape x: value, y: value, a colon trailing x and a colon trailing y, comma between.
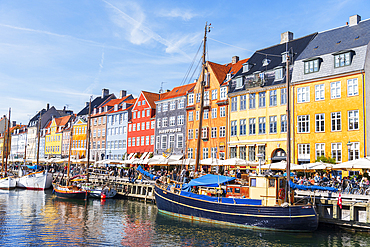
x: 141, y: 128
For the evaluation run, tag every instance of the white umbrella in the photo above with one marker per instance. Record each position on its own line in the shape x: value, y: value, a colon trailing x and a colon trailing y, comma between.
x: 182, y: 162
x: 311, y: 166
x: 235, y: 161
x: 211, y: 161
x: 363, y: 163
x: 275, y: 166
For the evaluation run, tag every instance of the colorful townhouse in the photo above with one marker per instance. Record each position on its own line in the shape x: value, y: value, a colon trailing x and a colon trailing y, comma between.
x: 18, y: 142
x: 141, y: 128
x: 79, y: 138
x: 215, y: 117
x: 54, y: 136
x: 258, y: 102
x: 331, y: 94
x: 170, y: 129
x: 117, y: 124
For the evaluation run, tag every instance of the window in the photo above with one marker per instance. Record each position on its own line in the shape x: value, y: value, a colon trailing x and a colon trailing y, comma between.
x: 152, y: 140
x: 214, y: 132
x: 147, y: 125
x: 262, y: 99
x: 354, y: 152
x: 148, y: 113
x: 129, y: 128
x: 242, y: 153
x: 223, y: 93
x: 139, y: 103
x: 273, y: 98
x: 138, y: 126
x: 196, y: 133
x: 319, y: 150
x: 319, y: 92
x: 173, y: 105
x: 143, y: 113
x: 243, y: 102
x: 143, y: 102
x: 197, y: 115
x: 165, y: 107
x: 303, y: 152
x: 152, y: 124
x: 238, y: 82
x: 206, y: 114
x: 214, y: 113
x: 214, y: 94
x: 252, y: 101
x: 353, y: 122
x: 190, y: 134
x: 352, y: 87
x: 320, y: 122
x: 222, y: 131
x: 335, y: 89
x: 214, y: 153
x: 232, y: 152
x: 284, y: 124
x: 303, y: 124
x: 171, y: 141
x: 252, y: 126
x: 172, y: 121
x: 198, y: 97
x: 124, y: 144
x: 278, y: 74
x: 222, y: 111
x: 262, y: 150
x: 336, y: 123
x: 164, y: 122
x: 159, y: 107
x: 143, y: 126
x: 233, y: 128
x: 273, y: 124
x: 303, y: 94
x: 191, y: 116
x: 205, y: 133
x: 311, y: 66
x: 341, y: 60
x: 179, y: 141
x: 234, y: 103
x: 336, y: 151
x: 243, y: 127
x: 181, y: 104
x: 205, y: 153
x: 283, y: 96
x: 180, y: 120
x: 262, y: 125
x: 158, y: 143
x: 158, y: 123
x: 164, y: 142
x: 138, y: 114
x: 191, y: 99
x: 190, y: 153
x: 137, y: 141
x: 134, y: 116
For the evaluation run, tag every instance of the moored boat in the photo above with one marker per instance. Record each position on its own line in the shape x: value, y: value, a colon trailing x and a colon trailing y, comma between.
x: 105, y: 192
x: 70, y: 192
x: 36, y: 181
x: 257, y: 204
x: 8, y: 183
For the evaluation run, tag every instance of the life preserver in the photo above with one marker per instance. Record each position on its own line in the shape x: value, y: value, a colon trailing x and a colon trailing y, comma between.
x: 281, y: 194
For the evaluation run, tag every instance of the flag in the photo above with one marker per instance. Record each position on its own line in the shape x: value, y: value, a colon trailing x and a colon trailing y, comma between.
x: 339, y: 203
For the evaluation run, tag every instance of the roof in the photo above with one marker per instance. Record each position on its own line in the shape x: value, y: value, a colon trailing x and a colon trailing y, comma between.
x: 95, y: 103
x: 114, y: 102
x: 152, y: 97
x: 338, y: 39
x: 178, y: 91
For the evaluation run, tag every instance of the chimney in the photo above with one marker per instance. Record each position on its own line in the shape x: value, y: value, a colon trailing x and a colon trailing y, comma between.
x: 167, y: 90
x: 122, y: 94
x: 86, y: 104
x: 235, y: 59
x: 354, y: 20
x: 286, y: 37
x: 105, y: 92
x: 47, y: 106
x: 14, y: 123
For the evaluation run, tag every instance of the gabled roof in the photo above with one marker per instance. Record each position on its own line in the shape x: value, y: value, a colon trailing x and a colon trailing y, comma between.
x: 95, y: 103
x: 179, y: 91
x: 338, y: 39
x: 152, y: 97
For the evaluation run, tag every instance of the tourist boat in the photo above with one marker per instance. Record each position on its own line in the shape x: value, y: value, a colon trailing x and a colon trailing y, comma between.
x: 36, y: 180
x: 257, y: 202
x: 8, y: 183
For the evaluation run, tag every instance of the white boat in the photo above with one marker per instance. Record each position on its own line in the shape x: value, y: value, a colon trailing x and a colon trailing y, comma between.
x: 105, y: 192
x: 36, y: 181
x: 8, y: 183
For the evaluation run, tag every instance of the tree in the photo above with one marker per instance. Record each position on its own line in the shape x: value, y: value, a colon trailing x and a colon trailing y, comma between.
x: 324, y: 159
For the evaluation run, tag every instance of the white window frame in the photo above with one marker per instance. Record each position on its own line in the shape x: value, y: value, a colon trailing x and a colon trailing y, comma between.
x: 303, y: 94
x: 320, y: 122
x: 319, y: 150
x: 353, y: 120
x: 352, y: 87
x: 303, y: 124
x: 319, y: 92
x: 335, y: 90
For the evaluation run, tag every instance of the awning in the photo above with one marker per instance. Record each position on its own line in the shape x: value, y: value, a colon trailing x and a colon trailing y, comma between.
x: 208, y: 180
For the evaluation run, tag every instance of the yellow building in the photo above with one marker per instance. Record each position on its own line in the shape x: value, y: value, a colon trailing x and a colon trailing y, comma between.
x: 54, y: 136
x: 79, y: 138
x: 258, y: 103
x: 329, y: 95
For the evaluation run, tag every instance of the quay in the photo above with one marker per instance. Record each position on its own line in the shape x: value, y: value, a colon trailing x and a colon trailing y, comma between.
x: 138, y: 190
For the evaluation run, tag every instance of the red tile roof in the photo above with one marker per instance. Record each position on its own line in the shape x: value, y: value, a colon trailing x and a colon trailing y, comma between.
x: 220, y: 71
x: 179, y: 91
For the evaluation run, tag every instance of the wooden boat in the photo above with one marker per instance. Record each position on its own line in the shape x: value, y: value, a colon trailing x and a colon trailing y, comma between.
x: 249, y: 204
x: 8, y: 183
x: 36, y: 180
x: 70, y: 192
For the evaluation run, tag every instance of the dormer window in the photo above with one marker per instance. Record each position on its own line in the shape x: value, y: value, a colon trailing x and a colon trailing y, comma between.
x: 278, y: 74
x: 239, y: 82
x: 94, y: 110
x: 228, y: 76
x: 246, y: 67
x: 116, y: 107
x: 343, y: 59
x: 100, y: 109
x: 139, y: 103
x: 284, y: 57
x: 311, y: 66
x: 206, y: 79
x: 265, y: 62
x: 106, y: 108
x: 143, y: 102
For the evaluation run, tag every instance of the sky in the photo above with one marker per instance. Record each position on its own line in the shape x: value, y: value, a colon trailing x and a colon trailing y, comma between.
x: 63, y: 52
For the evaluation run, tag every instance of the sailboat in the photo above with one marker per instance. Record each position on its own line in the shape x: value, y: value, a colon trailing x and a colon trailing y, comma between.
x: 74, y: 191
x: 6, y: 182
x: 258, y: 202
x: 39, y: 180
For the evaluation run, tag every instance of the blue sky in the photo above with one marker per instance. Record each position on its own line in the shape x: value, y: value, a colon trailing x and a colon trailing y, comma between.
x: 61, y: 52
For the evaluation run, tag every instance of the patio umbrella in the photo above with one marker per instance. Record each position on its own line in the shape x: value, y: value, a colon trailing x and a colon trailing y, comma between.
x: 363, y: 163
x: 211, y: 161
x: 235, y: 161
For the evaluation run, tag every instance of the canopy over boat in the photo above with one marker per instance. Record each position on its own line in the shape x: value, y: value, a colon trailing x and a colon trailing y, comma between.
x: 208, y: 180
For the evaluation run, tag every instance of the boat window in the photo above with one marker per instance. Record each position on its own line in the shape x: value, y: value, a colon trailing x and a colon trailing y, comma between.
x: 230, y: 190
x: 237, y: 190
x: 253, y: 182
x: 271, y: 182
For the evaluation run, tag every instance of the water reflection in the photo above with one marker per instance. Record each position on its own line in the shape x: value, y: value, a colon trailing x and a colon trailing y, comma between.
x: 36, y: 218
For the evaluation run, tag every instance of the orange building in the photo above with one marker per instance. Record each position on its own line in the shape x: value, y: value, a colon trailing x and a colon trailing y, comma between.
x: 215, y: 118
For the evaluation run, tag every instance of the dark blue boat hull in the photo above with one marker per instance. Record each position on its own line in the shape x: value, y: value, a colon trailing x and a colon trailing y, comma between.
x: 292, y: 218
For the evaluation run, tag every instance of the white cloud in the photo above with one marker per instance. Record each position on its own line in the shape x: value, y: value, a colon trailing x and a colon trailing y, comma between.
x: 186, y: 15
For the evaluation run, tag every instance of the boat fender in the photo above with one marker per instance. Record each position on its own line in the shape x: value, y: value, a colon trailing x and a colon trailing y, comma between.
x: 281, y: 194
x: 285, y: 205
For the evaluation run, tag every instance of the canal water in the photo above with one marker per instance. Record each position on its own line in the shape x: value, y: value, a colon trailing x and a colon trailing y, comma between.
x: 38, y: 218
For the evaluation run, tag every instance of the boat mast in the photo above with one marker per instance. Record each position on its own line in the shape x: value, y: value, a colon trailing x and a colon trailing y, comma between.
x: 38, y: 141
x: 69, y: 154
x: 288, y: 152
x: 197, y: 158
x: 88, y: 141
x: 3, y: 156
x: 7, y: 147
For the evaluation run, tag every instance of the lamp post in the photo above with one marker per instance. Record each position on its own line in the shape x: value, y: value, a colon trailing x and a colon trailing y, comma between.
x: 259, y: 156
x: 349, y: 145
